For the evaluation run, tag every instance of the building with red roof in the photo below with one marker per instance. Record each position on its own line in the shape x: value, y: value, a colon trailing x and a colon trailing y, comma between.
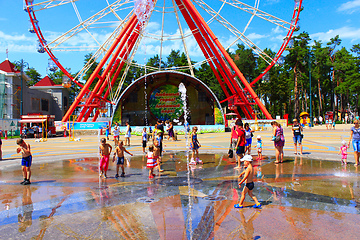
x: 45, y: 97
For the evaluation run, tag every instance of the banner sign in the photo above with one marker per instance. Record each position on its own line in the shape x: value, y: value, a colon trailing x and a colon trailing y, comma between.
x: 165, y: 102
x: 87, y: 125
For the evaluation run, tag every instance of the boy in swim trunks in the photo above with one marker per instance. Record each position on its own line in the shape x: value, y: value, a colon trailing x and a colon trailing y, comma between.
x: 24, y: 148
x: 105, y: 150
x: 119, y: 151
x: 248, y: 179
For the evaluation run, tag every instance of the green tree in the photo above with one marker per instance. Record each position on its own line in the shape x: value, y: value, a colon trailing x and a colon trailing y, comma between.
x: 354, y: 78
x: 297, y: 62
x: 321, y: 67
x: 207, y: 76
x: 34, y: 75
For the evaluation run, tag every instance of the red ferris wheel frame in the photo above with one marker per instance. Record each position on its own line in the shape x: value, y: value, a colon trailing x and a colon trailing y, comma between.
x: 219, y: 60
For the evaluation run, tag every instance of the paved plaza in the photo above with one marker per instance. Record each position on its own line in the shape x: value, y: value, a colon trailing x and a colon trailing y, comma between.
x: 311, y: 196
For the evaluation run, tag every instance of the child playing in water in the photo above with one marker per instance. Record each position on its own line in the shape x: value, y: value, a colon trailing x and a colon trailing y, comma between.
x: 24, y: 148
x: 144, y: 139
x: 259, y: 147
x: 105, y: 150
x: 248, y: 178
x: 151, y: 162
x: 195, y: 145
x: 119, y: 151
x: 343, y: 152
x: 157, y: 153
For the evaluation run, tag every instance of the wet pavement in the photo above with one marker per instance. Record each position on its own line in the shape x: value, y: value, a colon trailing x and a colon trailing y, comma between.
x: 301, y: 199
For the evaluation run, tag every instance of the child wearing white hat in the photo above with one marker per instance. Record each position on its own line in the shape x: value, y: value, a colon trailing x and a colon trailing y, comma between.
x: 248, y: 179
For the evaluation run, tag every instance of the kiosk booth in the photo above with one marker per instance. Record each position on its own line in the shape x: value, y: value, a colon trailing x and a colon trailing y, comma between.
x: 35, y: 120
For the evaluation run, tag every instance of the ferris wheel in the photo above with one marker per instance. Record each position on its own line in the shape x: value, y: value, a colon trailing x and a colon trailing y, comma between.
x: 121, y: 34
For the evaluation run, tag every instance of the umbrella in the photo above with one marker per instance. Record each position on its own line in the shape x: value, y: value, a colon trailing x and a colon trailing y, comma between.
x: 304, y: 114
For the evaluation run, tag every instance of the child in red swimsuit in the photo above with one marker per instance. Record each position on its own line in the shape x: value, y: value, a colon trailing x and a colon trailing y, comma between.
x: 105, y: 150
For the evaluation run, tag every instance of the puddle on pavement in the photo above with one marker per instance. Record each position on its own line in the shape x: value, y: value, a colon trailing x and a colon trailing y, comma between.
x: 190, y: 204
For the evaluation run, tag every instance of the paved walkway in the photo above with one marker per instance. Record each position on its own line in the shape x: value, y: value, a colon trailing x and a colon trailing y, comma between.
x: 318, y: 143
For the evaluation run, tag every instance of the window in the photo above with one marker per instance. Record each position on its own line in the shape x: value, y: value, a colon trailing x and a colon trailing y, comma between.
x: 44, y: 105
x: 65, y: 103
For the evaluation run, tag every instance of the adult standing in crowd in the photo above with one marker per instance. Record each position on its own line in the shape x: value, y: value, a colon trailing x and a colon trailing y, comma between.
x: 171, y: 131
x: 234, y: 135
x: 279, y: 141
x: 297, y: 136
x: 127, y: 134
x: 160, y: 126
x: 240, y: 145
x: 355, y: 136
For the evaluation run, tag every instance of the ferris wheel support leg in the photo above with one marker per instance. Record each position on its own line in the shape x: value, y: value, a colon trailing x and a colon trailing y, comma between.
x: 96, y: 115
x: 113, y: 52
x: 192, y: 17
x: 220, y: 80
x: 206, y: 33
x: 115, y: 71
x: 117, y: 66
x: 95, y: 74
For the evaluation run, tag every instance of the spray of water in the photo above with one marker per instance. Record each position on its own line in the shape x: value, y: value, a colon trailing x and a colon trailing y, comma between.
x: 145, y: 94
x: 182, y: 90
x: 145, y: 88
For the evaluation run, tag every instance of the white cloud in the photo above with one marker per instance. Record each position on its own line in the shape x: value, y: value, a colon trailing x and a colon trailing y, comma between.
x: 277, y: 30
x: 255, y: 36
x: 13, y: 37
x: 16, y: 43
x: 349, y: 33
x: 271, y: 1
x: 350, y: 6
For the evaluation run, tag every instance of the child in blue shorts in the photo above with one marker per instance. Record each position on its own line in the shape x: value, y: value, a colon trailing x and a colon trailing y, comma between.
x: 24, y: 148
x: 119, y: 151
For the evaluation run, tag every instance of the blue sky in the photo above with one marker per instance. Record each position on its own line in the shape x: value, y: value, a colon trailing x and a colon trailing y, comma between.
x: 321, y: 19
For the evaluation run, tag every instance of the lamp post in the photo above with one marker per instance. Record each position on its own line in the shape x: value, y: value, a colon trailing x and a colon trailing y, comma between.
x: 22, y: 64
x: 311, y: 118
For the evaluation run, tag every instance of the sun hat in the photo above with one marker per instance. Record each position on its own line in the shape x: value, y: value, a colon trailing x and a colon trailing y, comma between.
x: 247, y: 158
x: 258, y: 137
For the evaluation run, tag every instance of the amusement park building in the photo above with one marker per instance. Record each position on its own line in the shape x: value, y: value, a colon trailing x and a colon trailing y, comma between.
x: 156, y: 96
x: 45, y: 97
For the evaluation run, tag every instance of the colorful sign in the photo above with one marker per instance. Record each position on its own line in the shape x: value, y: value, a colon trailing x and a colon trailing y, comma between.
x: 87, y: 125
x: 165, y: 102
